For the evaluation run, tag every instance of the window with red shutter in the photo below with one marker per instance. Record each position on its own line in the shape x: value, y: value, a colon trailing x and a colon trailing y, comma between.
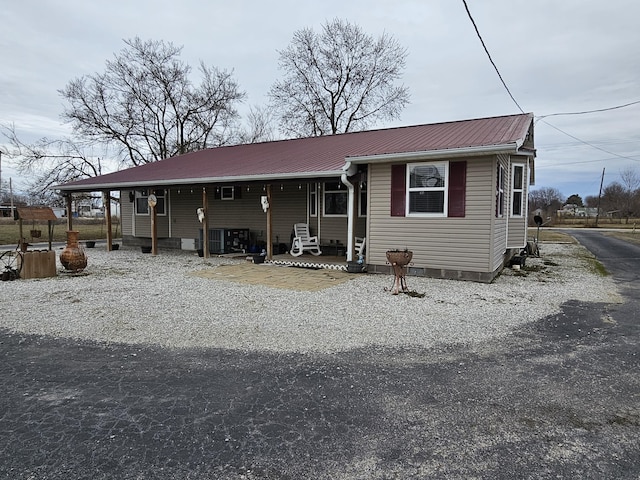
x: 430, y: 184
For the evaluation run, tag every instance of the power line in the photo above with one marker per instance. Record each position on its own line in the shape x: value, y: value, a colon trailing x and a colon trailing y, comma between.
x: 489, y: 55
x: 562, y: 164
x: 538, y: 118
x: 555, y: 114
x: 590, y: 144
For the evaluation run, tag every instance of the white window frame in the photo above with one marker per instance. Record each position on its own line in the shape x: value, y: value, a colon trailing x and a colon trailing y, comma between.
x: 143, y: 196
x: 227, y: 193
x: 342, y: 191
x: 500, y: 180
x: 313, y: 199
x: 362, y: 195
x: 515, y: 190
x: 428, y: 188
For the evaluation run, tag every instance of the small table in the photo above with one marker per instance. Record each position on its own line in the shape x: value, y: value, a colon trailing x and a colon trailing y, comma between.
x: 335, y: 249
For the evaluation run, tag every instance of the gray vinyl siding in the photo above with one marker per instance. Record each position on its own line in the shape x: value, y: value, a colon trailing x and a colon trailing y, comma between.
x: 126, y: 213
x: 437, y: 243
x: 184, y: 218
x: 336, y: 229
x: 142, y: 224
x: 288, y: 206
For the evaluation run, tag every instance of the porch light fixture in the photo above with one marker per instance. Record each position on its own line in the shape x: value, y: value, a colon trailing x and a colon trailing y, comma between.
x: 281, y: 187
x: 132, y: 196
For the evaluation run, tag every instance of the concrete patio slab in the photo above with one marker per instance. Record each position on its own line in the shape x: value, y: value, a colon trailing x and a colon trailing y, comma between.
x: 278, y: 276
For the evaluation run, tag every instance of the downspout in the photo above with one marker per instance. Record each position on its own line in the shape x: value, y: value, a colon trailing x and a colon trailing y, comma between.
x: 348, y: 171
x: 507, y: 214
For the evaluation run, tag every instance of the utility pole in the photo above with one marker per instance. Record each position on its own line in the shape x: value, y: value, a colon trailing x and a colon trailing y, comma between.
x: 599, y: 197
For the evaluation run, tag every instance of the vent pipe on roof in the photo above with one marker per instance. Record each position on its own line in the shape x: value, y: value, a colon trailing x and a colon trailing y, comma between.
x: 349, y: 170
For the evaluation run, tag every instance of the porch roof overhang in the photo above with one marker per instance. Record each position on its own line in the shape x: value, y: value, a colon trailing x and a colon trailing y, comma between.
x: 126, y: 185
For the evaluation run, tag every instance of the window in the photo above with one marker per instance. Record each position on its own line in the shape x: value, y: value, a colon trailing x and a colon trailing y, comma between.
x: 227, y: 193
x: 426, y: 188
x: 142, y: 201
x: 517, y: 190
x: 500, y: 192
x: 335, y: 199
x: 362, y: 203
x: 455, y: 180
x: 313, y: 200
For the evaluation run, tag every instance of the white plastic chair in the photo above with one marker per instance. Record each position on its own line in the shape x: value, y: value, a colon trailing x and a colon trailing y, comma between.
x: 303, y: 241
x: 360, y: 245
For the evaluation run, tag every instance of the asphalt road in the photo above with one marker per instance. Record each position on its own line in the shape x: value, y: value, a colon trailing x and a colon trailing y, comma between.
x: 557, y: 399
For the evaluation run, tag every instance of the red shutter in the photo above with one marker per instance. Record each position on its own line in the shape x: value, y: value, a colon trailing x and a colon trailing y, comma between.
x: 457, y: 188
x: 398, y: 190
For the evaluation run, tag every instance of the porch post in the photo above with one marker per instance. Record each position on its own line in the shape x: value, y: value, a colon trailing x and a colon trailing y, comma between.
x: 205, y: 224
x: 106, y: 199
x: 154, y: 230
x: 69, y: 212
x: 269, y: 225
x: 350, y: 215
x: 319, y: 204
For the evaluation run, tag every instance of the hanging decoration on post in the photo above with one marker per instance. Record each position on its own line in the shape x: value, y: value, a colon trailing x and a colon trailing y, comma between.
x: 265, y: 203
x: 200, y: 213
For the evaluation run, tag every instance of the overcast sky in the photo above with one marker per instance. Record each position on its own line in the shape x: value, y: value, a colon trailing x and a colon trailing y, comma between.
x: 555, y: 57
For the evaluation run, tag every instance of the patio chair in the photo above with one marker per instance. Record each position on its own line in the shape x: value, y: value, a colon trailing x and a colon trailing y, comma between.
x: 303, y: 241
x: 360, y: 244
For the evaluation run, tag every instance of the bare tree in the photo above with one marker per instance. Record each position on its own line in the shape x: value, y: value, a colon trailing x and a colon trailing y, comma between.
x: 591, y: 201
x: 145, y: 107
x: 546, y: 199
x: 341, y: 80
x: 630, y: 183
x: 51, y: 162
x: 614, y: 200
x: 260, y: 123
x: 630, y: 179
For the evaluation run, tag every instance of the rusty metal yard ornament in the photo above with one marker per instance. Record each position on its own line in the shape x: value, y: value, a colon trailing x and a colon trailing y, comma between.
x: 73, y: 257
x: 399, y: 259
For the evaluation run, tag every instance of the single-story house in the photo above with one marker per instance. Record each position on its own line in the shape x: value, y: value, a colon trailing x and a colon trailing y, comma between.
x: 453, y: 193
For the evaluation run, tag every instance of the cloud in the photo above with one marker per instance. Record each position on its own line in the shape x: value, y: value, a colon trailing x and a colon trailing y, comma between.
x: 565, y: 56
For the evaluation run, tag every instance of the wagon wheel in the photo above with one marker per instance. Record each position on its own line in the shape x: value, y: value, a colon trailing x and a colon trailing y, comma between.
x: 12, y: 262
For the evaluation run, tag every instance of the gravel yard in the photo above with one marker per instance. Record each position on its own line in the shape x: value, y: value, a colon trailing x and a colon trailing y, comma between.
x: 129, y: 297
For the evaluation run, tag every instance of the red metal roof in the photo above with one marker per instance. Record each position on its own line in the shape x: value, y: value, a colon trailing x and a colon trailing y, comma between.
x: 315, y: 156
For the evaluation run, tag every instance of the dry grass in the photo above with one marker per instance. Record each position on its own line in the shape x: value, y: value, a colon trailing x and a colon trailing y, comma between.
x: 632, y: 236
x: 89, y: 229
x: 590, y: 222
x: 552, y: 236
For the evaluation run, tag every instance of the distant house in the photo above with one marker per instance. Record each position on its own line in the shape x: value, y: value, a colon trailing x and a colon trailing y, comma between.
x: 454, y: 193
x: 571, y: 210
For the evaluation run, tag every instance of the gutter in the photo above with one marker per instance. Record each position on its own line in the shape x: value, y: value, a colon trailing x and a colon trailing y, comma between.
x: 195, y: 181
x: 349, y: 170
x: 443, y: 153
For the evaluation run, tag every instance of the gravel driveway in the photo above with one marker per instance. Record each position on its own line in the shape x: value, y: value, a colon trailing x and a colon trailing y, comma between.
x: 532, y: 377
x: 128, y: 297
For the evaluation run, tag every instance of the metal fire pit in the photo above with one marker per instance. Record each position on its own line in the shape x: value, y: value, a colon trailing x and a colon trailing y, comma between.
x: 399, y: 259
